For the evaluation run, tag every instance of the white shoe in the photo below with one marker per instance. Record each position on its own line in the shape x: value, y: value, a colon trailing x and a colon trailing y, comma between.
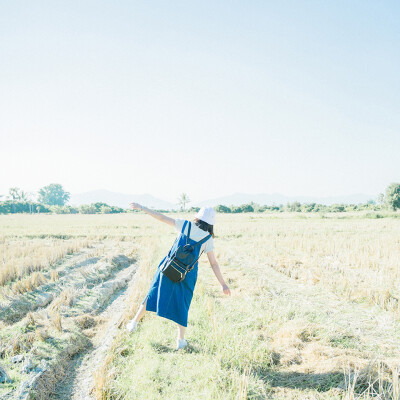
x: 180, y: 344
x: 131, y: 326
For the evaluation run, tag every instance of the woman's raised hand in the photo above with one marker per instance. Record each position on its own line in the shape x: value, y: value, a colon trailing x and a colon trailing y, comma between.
x: 226, y: 290
x: 135, y: 206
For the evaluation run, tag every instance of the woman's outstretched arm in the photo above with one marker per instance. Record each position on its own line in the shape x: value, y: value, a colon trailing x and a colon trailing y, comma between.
x: 155, y: 214
x: 217, y: 272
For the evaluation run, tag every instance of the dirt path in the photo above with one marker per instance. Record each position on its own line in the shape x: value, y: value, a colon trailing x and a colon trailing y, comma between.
x: 79, y: 380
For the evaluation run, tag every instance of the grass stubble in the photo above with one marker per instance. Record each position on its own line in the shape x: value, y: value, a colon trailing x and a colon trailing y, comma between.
x: 266, y: 341
x: 263, y: 342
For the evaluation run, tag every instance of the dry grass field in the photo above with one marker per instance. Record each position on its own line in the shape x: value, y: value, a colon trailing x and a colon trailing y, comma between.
x: 314, y: 311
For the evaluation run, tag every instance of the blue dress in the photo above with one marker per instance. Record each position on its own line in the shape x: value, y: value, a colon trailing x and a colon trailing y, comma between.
x: 169, y: 299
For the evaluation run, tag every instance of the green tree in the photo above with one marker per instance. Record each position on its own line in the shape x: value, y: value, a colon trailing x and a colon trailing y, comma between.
x: 246, y: 208
x: 236, y: 209
x: 116, y: 210
x: 256, y: 207
x: 381, y: 198
x: 222, y: 209
x: 40, y: 208
x: 87, y: 209
x: 53, y: 195
x: 99, y: 205
x: 16, y: 194
x: 392, y: 196
x: 183, y: 199
x: 308, y: 207
x: 293, y: 207
x: 337, y: 208
x: 63, y: 210
x: 105, y: 209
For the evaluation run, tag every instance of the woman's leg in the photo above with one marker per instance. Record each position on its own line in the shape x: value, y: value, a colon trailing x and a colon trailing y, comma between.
x: 181, y: 332
x: 141, y: 312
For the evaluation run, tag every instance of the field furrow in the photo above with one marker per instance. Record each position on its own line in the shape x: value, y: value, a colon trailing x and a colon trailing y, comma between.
x: 46, y: 339
x: 75, y: 274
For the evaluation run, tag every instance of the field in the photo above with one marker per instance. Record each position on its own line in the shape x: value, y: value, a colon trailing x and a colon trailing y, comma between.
x: 314, y: 311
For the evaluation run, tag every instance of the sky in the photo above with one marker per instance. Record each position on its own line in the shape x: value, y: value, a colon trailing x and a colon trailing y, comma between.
x: 208, y: 98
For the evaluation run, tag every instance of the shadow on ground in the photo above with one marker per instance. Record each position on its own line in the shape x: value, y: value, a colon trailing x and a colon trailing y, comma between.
x: 160, y: 348
x: 322, y: 382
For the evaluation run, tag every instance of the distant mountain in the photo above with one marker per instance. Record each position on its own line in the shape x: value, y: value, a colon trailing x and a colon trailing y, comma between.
x: 119, y: 199
x: 276, y: 198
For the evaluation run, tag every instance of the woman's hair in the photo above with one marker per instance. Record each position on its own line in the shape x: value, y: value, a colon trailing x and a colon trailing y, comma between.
x: 204, y: 226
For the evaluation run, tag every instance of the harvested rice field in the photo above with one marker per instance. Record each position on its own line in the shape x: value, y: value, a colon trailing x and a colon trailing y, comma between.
x: 314, y: 311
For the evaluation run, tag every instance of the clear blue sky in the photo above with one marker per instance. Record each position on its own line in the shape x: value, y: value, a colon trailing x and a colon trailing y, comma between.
x: 207, y: 97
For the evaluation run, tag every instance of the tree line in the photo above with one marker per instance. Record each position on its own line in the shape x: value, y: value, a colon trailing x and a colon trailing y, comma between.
x: 50, y: 199
x: 389, y: 200
x: 53, y: 198
x: 297, y: 207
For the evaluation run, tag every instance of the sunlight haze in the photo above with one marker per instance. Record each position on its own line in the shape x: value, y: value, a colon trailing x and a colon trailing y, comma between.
x: 207, y: 98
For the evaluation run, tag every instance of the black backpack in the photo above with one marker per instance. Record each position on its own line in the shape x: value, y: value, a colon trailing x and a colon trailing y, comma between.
x: 182, y: 259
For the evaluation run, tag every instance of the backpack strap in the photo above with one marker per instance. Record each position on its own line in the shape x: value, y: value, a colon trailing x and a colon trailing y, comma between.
x: 184, y: 226
x: 183, y: 230
x: 188, y: 234
x: 199, y: 242
x: 203, y: 240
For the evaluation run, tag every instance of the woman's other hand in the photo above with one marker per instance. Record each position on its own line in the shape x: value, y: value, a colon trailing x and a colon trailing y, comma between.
x: 155, y: 214
x: 217, y: 272
x: 226, y: 290
x: 135, y: 206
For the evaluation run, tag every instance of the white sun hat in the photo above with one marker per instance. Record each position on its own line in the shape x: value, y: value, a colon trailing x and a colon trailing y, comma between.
x: 206, y: 214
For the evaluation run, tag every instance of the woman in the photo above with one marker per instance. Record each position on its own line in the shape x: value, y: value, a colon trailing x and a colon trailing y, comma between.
x: 169, y: 299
